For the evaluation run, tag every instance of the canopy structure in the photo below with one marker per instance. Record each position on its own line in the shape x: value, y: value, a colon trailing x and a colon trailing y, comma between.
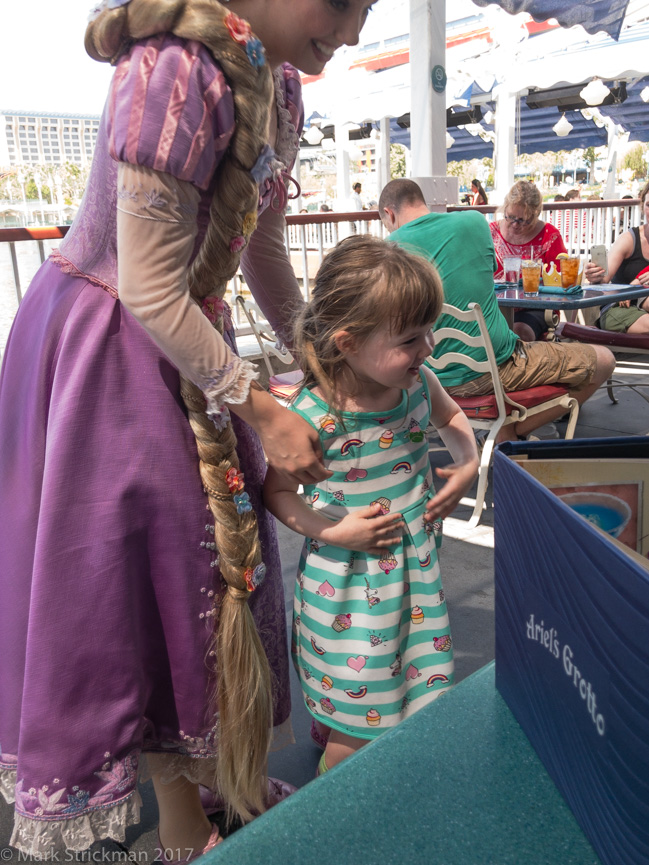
x: 593, y: 15
x: 505, y: 82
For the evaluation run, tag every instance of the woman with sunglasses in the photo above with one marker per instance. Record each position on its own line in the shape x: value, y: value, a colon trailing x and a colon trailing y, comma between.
x: 520, y: 233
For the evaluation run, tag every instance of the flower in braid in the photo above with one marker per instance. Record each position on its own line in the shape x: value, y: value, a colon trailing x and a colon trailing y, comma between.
x: 243, y: 696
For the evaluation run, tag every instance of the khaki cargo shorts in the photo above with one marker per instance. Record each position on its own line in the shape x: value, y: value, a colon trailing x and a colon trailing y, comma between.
x: 535, y: 363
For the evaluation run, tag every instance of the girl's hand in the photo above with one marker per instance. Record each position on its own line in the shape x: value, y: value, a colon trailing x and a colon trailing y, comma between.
x: 459, y: 477
x: 365, y: 531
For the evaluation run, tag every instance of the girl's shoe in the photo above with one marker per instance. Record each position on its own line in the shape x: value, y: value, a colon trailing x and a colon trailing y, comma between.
x: 320, y: 734
x: 212, y: 841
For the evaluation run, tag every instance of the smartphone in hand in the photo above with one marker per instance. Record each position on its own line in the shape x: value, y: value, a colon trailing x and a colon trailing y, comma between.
x: 598, y: 256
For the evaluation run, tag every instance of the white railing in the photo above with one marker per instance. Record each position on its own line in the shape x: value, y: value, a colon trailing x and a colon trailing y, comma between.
x: 308, y: 237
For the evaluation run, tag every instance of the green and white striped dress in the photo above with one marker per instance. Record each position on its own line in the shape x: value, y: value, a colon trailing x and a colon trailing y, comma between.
x: 371, y: 638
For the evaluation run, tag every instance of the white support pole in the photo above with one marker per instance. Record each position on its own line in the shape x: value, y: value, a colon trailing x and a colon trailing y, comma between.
x: 427, y: 107
x: 384, y: 152
x: 343, y: 186
x: 504, y: 147
x: 613, y: 131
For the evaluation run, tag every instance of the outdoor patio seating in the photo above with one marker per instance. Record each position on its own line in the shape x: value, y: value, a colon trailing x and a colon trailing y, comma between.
x: 496, y: 409
x: 619, y: 343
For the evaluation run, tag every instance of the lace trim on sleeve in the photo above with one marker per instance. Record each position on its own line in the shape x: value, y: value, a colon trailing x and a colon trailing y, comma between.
x: 141, y: 193
x: 228, y: 385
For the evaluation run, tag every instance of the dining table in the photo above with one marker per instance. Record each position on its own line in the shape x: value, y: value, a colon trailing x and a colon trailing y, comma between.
x: 511, y: 298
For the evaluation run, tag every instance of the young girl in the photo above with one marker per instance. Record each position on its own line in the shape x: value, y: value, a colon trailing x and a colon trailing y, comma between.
x: 371, y: 632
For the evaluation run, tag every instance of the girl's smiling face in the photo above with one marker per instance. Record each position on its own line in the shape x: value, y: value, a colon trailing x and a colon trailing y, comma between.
x: 304, y: 33
x: 389, y: 360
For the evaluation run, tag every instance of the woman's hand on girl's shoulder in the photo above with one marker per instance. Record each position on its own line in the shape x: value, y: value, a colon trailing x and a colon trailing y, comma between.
x: 292, y: 447
x: 364, y: 530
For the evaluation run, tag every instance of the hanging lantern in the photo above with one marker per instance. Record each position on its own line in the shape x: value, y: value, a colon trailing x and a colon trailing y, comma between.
x: 562, y: 127
x: 595, y: 92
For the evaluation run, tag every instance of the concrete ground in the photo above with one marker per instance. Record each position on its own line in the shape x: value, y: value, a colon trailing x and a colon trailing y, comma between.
x: 467, y: 569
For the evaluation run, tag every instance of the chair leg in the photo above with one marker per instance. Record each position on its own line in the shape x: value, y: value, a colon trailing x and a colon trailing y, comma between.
x: 483, y: 479
x: 572, y: 420
x: 611, y: 392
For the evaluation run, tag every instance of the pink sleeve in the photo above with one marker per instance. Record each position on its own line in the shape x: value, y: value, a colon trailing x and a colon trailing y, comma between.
x: 267, y: 269
x: 170, y: 109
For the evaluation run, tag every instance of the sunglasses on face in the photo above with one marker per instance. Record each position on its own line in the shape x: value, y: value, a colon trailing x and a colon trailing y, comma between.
x: 518, y: 220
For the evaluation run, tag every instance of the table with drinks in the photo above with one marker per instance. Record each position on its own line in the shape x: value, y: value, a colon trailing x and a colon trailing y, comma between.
x: 513, y: 298
x: 523, y: 289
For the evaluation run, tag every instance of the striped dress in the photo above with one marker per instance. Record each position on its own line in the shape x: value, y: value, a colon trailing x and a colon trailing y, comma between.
x: 371, y: 639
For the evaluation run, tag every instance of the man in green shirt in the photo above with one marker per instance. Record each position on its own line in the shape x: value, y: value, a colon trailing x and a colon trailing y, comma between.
x: 459, y: 244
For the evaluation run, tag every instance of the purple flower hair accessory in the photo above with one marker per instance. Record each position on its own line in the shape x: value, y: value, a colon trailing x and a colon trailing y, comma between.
x: 266, y: 166
x: 220, y: 417
x: 237, y: 243
x: 213, y: 308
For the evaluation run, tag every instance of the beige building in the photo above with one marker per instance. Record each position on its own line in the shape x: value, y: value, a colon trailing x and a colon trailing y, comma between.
x: 38, y: 138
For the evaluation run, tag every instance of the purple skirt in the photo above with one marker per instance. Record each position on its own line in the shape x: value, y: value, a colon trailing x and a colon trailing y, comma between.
x: 106, y: 579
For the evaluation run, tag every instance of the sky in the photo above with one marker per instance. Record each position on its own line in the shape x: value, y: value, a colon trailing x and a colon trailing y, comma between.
x: 44, y: 66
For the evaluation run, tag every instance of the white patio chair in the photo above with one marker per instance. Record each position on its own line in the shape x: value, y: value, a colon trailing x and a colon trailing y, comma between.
x: 496, y: 409
x: 284, y: 384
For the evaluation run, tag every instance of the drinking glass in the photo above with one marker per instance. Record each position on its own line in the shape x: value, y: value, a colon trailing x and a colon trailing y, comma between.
x: 512, y: 270
x: 569, y: 271
x: 531, y: 270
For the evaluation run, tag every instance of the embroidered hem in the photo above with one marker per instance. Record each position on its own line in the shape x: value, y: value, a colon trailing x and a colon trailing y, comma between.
x: 8, y: 784
x: 44, y: 839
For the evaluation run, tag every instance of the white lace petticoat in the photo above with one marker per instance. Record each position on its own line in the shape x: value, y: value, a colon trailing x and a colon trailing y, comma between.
x: 51, y: 839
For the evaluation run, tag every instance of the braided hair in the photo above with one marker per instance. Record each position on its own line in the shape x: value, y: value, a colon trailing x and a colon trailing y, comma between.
x: 243, y: 696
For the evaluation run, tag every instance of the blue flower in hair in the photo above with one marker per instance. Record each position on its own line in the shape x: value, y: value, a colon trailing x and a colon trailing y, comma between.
x: 266, y: 165
x: 255, y: 52
x: 242, y: 502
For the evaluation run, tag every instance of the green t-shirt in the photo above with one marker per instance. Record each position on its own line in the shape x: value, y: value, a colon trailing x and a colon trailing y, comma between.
x: 460, y: 246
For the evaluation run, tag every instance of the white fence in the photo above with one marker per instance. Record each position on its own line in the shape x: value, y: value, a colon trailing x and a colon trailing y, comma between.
x: 309, y: 236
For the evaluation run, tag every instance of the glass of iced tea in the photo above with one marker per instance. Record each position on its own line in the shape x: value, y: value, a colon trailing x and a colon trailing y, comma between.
x: 531, y: 272
x: 569, y: 271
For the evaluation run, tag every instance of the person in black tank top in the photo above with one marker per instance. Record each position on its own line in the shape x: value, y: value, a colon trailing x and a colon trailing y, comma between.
x: 628, y: 264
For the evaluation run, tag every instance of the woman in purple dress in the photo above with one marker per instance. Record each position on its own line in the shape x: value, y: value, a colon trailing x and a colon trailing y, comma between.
x: 141, y: 590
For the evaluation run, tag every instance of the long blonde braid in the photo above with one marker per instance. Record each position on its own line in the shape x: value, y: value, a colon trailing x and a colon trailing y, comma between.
x: 243, y: 696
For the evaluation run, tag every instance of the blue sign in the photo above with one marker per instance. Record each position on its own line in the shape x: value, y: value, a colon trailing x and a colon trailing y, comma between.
x: 439, y: 79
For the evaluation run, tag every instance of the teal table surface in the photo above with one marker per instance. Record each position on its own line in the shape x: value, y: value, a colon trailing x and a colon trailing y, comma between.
x: 456, y: 783
x: 593, y: 295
